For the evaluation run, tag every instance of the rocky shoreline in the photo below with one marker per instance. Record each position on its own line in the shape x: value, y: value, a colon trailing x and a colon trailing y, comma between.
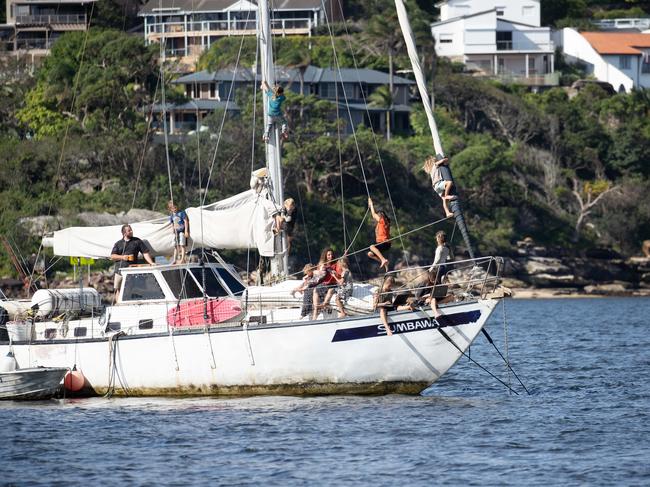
x: 537, y: 272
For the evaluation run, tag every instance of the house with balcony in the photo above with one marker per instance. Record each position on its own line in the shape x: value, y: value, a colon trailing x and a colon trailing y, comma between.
x: 500, y: 39
x: 210, y: 91
x: 188, y: 27
x: 619, y: 58
x: 33, y: 25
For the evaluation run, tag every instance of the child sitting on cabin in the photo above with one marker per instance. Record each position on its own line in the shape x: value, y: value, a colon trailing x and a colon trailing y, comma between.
x: 441, y: 180
x: 344, y: 286
x: 276, y: 99
x: 181, y: 229
x: 309, y: 281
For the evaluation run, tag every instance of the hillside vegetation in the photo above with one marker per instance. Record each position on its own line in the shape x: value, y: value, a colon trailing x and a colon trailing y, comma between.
x: 570, y: 172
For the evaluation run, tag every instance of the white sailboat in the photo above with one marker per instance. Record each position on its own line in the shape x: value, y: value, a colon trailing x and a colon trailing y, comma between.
x: 198, y: 329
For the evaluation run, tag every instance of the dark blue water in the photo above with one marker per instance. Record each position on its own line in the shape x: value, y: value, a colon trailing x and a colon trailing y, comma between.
x: 586, y: 362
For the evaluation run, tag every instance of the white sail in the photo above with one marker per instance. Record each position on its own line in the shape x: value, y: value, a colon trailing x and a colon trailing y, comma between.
x: 417, y: 71
x: 239, y: 222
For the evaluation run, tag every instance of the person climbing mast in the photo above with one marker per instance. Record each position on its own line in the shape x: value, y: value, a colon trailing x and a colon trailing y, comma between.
x: 441, y: 180
x: 382, y: 236
x: 276, y: 99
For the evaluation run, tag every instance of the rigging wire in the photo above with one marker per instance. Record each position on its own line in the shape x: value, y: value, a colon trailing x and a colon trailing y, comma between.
x: 374, y: 136
x: 223, y: 118
x: 144, y: 145
x: 252, y: 168
x: 164, y: 108
x: 75, y: 86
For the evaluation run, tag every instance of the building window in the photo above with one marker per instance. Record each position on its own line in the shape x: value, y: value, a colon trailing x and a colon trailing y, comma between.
x: 446, y: 38
x: 213, y: 90
x: 504, y: 40
x: 624, y: 62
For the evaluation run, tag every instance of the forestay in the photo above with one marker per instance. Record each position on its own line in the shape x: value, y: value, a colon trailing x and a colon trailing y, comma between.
x: 239, y: 222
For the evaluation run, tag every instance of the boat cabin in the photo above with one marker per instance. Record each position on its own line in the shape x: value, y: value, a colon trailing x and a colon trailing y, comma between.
x: 164, y: 283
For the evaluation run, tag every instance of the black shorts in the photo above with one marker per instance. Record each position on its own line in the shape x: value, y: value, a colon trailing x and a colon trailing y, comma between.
x: 383, y: 246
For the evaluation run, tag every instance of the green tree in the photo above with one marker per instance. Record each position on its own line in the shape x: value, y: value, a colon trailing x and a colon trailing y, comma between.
x: 98, y: 83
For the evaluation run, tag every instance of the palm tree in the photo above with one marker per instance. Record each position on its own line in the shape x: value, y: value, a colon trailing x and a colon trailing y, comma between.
x: 382, y: 97
x: 299, y: 58
x: 382, y: 36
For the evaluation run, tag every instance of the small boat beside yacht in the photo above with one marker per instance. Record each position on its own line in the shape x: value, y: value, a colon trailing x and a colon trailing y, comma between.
x: 31, y: 383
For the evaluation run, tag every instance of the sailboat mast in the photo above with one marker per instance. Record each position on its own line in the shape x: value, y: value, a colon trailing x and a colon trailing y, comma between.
x: 273, y: 160
x: 409, y: 39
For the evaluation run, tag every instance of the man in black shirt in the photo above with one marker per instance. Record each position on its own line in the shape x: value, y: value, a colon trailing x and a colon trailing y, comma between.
x: 125, y: 253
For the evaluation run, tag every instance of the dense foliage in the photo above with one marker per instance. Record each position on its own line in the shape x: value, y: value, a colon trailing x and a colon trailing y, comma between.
x: 567, y: 169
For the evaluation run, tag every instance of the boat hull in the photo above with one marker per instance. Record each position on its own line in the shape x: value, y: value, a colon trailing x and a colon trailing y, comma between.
x: 32, y: 383
x: 352, y: 356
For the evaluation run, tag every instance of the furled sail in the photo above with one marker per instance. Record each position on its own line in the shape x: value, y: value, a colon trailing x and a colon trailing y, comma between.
x: 409, y: 40
x: 239, y: 222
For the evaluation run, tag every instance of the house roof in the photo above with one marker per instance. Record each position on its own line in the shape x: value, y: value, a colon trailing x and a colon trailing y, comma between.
x: 284, y: 75
x: 181, y: 6
x: 617, y: 42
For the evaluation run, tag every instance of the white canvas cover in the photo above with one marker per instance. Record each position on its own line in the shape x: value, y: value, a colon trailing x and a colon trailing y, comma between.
x: 239, y: 222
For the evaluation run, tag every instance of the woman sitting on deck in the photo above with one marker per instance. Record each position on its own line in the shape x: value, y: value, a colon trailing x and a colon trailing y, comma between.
x: 327, y: 266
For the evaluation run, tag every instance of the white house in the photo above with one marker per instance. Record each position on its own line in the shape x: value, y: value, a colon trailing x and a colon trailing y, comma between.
x: 620, y: 59
x: 498, y: 38
x: 188, y: 27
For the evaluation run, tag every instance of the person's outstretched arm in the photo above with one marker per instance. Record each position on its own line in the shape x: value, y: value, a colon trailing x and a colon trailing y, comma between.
x: 374, y: 214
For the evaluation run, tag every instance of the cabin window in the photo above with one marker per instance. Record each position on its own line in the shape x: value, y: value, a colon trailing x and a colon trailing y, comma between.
x: 446, y: 38
x: 50, y: 333
x: 141, y: 286
x: 235, y: 286
x: 624, y: 62
x: 114, y: 326
x: 182, y: 284
x: 501, y: 11
x: 145, y: 324
x: 80, y: 331
x: 212, y: 286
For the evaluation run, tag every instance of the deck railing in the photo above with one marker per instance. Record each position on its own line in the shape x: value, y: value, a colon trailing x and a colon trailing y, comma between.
x: 51, y: 19
x: 225, y: 25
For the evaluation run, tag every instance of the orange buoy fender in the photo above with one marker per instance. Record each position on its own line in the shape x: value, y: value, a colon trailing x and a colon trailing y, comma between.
x: 74, y: 381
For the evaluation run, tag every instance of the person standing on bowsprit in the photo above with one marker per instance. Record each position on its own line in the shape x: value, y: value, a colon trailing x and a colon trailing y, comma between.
x: 125, y: 252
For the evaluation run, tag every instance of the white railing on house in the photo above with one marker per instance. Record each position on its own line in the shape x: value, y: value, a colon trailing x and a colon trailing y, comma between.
x: 51, y: 19
x: 640, y: 23
x: 228, y: 25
